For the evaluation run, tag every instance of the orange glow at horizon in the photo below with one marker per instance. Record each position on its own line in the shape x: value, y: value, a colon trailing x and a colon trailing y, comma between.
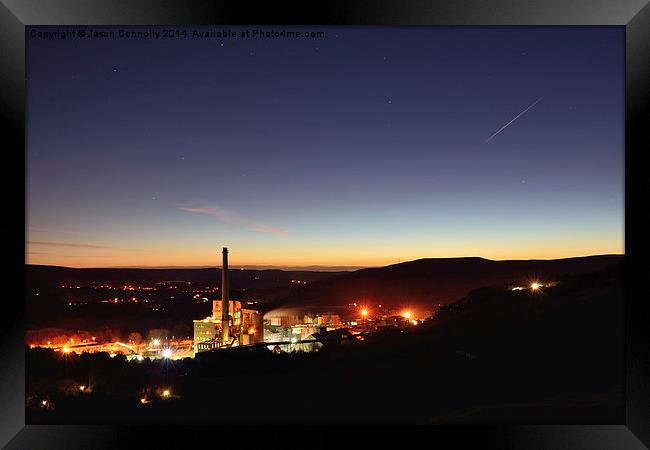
x: 142, y: 251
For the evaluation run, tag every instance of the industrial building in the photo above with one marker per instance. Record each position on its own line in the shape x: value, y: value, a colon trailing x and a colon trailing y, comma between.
x: 229, y: 325
x: 290, y: 328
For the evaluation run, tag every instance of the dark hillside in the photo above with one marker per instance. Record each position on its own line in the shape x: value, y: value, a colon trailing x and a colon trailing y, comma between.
x: 428, y: 281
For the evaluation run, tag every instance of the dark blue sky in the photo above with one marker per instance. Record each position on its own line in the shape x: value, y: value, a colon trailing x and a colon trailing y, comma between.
x: 363, y: 147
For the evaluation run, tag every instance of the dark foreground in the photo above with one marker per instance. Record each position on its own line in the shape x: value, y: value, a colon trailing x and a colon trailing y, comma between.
x: 554, y: 357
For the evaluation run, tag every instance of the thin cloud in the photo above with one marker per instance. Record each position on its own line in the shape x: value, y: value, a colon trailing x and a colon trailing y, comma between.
x: 233, y: 218
x: 63, y: 244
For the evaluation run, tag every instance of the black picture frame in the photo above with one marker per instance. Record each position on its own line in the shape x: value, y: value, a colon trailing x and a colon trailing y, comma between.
x: 634, y: 15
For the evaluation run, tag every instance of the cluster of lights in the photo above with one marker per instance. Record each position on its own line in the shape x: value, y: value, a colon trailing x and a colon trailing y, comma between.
x: 534, y: 286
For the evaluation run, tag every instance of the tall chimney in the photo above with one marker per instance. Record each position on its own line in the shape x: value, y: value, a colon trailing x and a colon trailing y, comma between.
x: 225, y: 326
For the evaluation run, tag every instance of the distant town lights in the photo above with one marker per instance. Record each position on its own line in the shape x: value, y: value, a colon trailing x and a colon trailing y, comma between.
x: 407, y: 314
x: 535, y: 286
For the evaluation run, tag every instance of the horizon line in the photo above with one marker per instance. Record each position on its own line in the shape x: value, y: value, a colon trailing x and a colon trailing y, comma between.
x: 321, y: 266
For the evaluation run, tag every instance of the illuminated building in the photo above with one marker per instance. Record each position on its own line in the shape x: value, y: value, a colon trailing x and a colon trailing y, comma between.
x: 242, y: 326
x: 329, y: 319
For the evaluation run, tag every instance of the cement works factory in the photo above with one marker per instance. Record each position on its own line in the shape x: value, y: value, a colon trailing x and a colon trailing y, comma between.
x: 231, y: 325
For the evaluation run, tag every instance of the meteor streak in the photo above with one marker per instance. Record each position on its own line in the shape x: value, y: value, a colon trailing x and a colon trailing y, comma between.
x: 516, y: 117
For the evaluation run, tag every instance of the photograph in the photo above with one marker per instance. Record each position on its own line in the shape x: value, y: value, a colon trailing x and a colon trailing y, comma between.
x: 325, y: 225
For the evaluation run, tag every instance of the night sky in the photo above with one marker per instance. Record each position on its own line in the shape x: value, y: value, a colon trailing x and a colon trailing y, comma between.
x: 366, y: 147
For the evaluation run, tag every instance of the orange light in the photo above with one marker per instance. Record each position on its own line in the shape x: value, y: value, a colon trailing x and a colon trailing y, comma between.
x: 534, y: 286
x: 364, y: 312
x: 67, y: 349
x: 82, y: 388
x: 407, y: 314
x: 251, y: 330
x: 143, y: 400
x: 44, y: 402
x: 165, y: 393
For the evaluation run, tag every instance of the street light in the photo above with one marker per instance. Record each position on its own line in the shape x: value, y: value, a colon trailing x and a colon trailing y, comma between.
x: 167, y: 353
